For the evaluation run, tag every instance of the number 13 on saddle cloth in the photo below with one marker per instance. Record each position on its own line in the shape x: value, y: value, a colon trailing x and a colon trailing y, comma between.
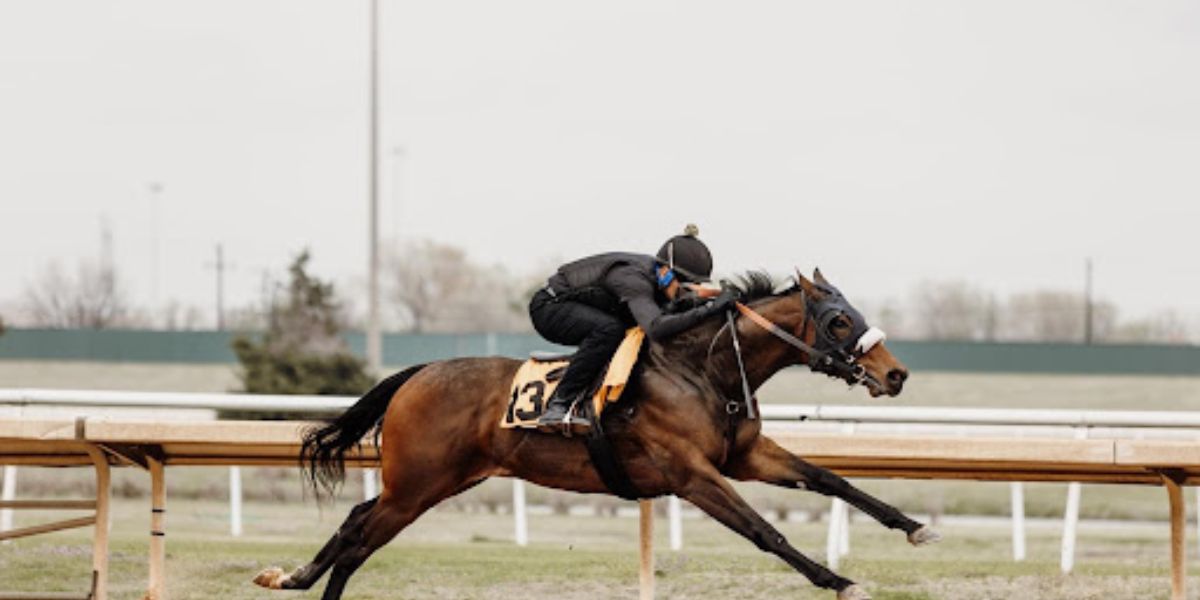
x: 536, y: 379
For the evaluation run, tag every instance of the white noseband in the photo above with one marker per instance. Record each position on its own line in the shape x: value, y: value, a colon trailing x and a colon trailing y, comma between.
x: 869, y: 339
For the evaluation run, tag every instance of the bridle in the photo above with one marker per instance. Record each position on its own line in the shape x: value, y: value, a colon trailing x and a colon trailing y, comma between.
x: 829, y: 355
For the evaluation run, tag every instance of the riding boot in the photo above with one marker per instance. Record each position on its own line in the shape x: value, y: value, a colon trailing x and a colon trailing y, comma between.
x: 559, y: 417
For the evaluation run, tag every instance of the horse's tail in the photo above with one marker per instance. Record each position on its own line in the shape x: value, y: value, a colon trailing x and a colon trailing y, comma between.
x: 323, y: 452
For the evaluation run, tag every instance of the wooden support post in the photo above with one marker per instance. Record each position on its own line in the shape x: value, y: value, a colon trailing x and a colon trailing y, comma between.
x: 158, y: 532
x: 100, y: 539
x: 646, y: 529
x: 1178, y: 539
x: 13, y: 534
x: 7, y: 493
x: 49, y: 504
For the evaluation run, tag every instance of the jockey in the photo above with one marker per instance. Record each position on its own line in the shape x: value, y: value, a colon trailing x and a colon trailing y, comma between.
x: 590, y: 303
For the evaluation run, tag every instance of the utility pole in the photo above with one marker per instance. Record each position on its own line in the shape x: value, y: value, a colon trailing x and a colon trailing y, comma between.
x: 156, y: 189
x: 374, y: 336
x: 1087, y: 300
x: 219, y: 267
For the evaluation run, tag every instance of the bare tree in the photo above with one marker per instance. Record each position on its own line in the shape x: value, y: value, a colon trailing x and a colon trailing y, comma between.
x: 1056, y: 316
x: 177, y: 316
x: 425, y: 276
x: 94, y: 298
x: 436, y: 288
x: 1165, y: 327
x: 950, y: 310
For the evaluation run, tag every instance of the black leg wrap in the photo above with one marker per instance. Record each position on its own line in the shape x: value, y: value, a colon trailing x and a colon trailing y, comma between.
x: 828, y: 483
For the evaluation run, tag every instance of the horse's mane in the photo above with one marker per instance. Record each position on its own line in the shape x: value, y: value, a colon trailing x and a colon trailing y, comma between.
x: 754, y: 285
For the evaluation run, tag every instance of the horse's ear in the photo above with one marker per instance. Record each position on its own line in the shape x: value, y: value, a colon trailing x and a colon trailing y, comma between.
x: 805, y: 285
x: 819, y: 277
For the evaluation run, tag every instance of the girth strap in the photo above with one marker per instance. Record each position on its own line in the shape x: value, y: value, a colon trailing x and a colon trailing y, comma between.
x: 607, y: 465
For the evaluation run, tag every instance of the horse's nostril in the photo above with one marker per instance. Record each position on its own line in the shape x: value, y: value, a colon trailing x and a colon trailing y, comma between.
x: 896, y: 377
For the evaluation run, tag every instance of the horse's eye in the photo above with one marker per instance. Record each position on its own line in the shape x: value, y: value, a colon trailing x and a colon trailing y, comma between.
x: 840, y: 327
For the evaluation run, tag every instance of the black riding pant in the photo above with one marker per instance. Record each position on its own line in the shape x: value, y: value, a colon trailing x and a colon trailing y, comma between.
x: 595, y: 332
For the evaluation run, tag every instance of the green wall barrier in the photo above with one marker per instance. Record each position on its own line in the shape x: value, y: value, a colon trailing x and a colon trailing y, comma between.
x: 404, y: 349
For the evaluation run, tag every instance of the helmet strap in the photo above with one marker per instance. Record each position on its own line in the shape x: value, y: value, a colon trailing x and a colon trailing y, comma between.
x: 665, y: 278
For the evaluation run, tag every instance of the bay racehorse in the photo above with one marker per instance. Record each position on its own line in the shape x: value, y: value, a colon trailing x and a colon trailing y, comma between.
x: 680, y: 428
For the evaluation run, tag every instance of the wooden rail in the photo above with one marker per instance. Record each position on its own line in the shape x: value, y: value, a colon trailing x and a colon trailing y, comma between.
x: 156, y: 445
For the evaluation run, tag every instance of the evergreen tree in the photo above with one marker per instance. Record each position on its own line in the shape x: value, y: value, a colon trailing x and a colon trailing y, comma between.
x: 302, y: 351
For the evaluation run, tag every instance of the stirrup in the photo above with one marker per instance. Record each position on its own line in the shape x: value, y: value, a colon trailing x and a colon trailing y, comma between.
x: 568, y: 423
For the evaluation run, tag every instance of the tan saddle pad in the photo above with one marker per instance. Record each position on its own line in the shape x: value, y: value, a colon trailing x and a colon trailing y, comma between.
x: 536, y: 380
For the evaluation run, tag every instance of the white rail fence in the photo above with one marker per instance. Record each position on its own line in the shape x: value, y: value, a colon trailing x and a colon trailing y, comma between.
x: 955, y: 422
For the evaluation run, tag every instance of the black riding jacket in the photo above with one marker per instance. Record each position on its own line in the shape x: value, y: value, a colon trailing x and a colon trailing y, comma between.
x: 625, y: 285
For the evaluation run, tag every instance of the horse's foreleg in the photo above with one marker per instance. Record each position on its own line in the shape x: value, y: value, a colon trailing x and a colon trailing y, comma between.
x: 709, y: 491
x: 766, y: 461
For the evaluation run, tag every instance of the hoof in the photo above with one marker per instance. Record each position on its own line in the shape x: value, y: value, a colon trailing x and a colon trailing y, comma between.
x: 924, y: 536
x: 853, y: 592
x: 272, y: 578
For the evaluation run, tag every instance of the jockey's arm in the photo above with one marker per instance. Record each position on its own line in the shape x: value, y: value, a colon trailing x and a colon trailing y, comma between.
x: 638, y: 294
x: 705, y: 292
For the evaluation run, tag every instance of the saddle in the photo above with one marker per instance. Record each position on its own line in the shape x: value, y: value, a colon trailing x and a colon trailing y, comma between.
x: 537, y: 378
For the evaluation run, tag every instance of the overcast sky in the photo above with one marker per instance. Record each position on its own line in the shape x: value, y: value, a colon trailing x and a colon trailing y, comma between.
x: 887, y: 142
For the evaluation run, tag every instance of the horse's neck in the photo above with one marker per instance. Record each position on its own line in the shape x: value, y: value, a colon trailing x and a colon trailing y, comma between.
x: 710, y: 349
x: 764, y: 354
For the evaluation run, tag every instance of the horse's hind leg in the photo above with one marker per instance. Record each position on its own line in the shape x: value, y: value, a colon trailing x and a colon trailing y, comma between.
x: 369, y: 526
x: 766, y: 461
x: 304, y: 577
x: 392, y: 513
x: 709, y: 491
x: 385, y: 520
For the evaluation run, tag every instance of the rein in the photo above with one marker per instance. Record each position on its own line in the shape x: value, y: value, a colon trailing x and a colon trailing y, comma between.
x: 839, y: 363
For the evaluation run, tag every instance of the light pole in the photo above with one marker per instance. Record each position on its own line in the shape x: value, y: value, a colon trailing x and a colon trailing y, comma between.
x: 374, y: 337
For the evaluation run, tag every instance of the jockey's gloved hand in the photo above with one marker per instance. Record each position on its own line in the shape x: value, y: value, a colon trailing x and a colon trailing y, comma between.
x: 686, y: 300
x: 725, y: 300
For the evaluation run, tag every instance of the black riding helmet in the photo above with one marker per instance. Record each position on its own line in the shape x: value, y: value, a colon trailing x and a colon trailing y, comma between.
x: 687, y: 256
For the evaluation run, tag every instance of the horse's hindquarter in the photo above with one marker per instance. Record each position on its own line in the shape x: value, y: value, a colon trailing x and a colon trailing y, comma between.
x: 445, y: 424
x: 442, y: 421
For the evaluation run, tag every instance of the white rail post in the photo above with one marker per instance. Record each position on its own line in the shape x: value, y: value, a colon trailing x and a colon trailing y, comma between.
x: 235, y: 501
x: 837, y: 544
x: 519, y: 519
x: 370, y: 489
x: 1071, y: 517
x: 676, y: 518
x: 1198, y: 515
x: 9, y: 493
x: 844, y: 542
x: 833, y: 540
x: 1018, y: 520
